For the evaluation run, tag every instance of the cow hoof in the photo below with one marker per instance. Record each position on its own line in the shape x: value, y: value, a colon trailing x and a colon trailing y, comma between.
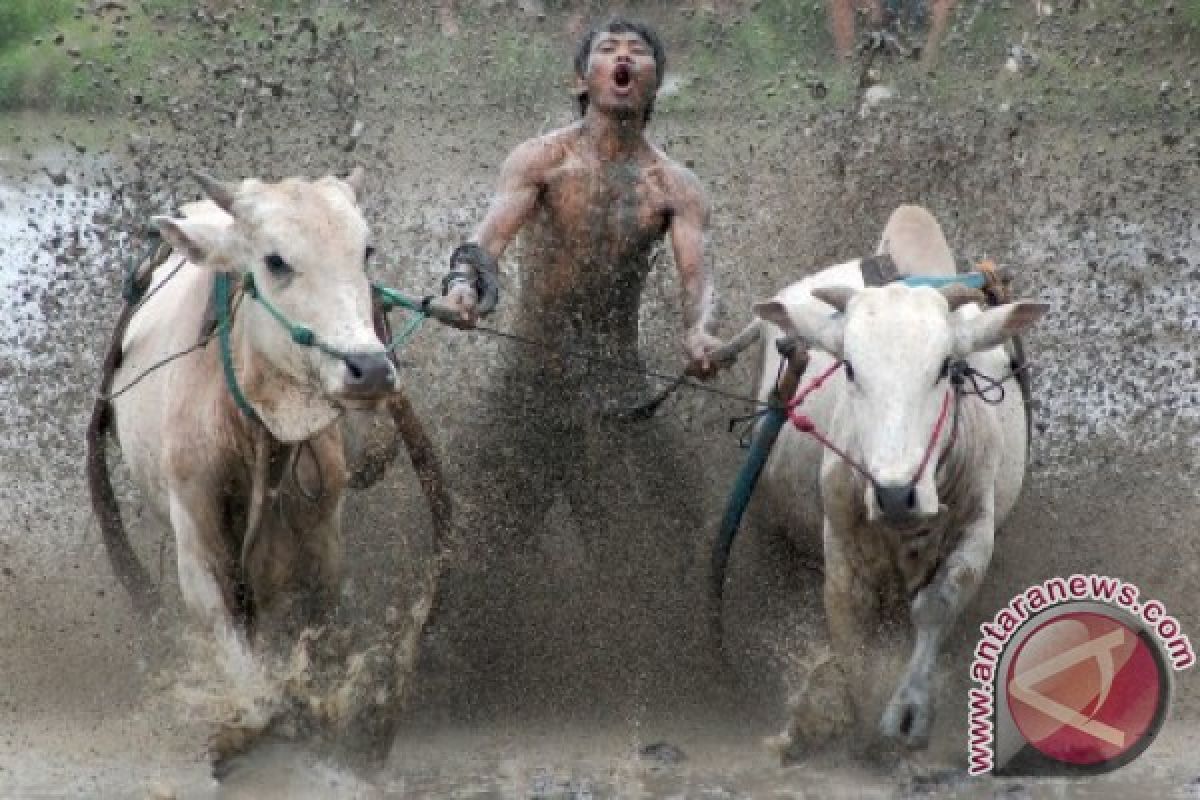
x: 824, y: 709
x: 231, y: 741
x: 227, y: 745
x: 785, y: 746
x: 908, y: 719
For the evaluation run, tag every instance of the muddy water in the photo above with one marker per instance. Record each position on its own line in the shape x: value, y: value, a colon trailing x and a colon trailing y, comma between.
x: 92, y: 705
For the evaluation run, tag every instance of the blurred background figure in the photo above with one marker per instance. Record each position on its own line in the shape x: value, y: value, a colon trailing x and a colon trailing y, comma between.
x: 843, y: 19
x: 905, y: 17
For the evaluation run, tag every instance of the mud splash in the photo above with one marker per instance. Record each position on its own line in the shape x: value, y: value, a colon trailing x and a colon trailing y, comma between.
x: 1108, y: 238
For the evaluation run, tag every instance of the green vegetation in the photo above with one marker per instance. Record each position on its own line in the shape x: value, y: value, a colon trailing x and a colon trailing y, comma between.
x: 21, y: 23
x: 774, y: 54
x: 20, y: 19
x: 1190, y: 13
x: 67, y: 59
x: 52, y: 56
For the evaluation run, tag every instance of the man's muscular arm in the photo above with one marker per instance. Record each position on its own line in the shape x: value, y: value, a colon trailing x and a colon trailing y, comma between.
x: 522, y: 177
x: 689, y: 228
x: 521, y: 180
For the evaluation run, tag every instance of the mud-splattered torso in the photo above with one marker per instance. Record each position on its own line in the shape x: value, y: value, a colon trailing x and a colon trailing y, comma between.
x: 584, y: 258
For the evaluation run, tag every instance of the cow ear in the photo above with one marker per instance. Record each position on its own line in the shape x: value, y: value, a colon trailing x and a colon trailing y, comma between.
x: 808, y: 321
x: 205, y: 244
x: 993, y: 327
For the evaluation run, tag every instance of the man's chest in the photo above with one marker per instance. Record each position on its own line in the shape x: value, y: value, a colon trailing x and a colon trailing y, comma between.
x: 619, y: 201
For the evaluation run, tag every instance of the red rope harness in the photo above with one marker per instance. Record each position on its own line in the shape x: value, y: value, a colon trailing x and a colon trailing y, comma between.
x: 804, y: 424
x: 933, y: 440
x: 816, y: 383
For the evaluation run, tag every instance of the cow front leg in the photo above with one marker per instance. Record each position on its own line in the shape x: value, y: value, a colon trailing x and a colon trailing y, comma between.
x: 823, y: 711
x: 908, y: 717
x: 323, y: 583
x: 295, y: 579
x: 205, y: 570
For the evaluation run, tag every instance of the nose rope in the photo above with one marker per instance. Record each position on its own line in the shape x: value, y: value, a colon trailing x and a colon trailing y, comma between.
x: 804, y: 424
x: 305, y: 336
x: 223, y: 292
x: 933, y: 440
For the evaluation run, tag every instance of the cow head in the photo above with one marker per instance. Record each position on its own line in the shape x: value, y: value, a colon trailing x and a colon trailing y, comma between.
x: 898, y: 345
x: 305, y: 244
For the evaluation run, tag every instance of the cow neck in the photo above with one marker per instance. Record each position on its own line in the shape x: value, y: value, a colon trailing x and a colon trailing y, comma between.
x: 290, y: 411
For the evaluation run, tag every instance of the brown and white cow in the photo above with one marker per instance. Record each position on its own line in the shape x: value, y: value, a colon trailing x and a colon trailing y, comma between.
x: 190, y: 446
x: 906, y: 518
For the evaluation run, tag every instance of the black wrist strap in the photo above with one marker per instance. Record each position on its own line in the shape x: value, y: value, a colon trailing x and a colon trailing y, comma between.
x: 470, y: 258
x: 455, y: 276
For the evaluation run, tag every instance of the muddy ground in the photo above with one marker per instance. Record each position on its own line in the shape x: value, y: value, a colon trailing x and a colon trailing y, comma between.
x: 1092, y: 203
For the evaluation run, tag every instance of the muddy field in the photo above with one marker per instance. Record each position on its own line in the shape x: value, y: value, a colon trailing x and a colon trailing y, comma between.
x: 1092, y: 198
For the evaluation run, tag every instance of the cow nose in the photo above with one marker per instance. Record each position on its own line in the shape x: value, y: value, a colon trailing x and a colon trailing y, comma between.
x: 896, y: 501
x: 369, y: 373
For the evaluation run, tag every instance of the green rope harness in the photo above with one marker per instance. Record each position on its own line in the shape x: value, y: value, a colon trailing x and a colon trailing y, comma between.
x: 390, y: 299
x: 306, y: 337
x: 302, y: 335
x: 221, y: 300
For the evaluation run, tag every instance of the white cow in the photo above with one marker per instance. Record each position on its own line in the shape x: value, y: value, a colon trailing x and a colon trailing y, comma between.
x: 191, y: 447
x: 911, y: 534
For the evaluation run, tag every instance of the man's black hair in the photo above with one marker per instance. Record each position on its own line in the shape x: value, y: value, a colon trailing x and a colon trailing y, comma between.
x: 620, y: 25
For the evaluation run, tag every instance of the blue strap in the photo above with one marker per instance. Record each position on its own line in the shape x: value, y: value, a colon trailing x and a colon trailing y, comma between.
x: 767, y: 432
x: 972, y: 280
x: 221, y: 301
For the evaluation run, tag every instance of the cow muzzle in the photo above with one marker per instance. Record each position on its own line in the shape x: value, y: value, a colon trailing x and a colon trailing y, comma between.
x: 900, y: 504
x: 367, y: 376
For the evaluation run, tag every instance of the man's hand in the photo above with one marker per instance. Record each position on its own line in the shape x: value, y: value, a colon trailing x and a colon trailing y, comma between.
x: 699, y: 346
x: 462, y: 299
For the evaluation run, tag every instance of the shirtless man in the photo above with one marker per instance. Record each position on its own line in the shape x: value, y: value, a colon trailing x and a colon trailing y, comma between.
x: 596, y: 593
x: 596, y: 197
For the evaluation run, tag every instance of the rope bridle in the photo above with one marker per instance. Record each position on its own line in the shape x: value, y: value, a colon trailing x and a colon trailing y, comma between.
x: 304, y: 336
x: 990, y: 390
x: 300, y: 334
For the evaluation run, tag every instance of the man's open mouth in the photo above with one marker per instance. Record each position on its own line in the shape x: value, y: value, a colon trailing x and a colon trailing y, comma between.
x: 622, y: 76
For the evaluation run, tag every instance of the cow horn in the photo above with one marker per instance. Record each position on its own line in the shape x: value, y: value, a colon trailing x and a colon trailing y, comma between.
x: 357, y: 180
x: 836, y: 296
x: 958, y: 295
x: 219, y: 192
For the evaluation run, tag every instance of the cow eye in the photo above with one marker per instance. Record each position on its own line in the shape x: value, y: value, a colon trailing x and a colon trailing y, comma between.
x: 368, y: 254
x: 849, y: 371
x: 277, y: 266
x: 945, y: 371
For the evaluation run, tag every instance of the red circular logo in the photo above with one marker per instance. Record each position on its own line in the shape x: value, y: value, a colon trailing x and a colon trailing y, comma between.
x: 1084, y: 688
